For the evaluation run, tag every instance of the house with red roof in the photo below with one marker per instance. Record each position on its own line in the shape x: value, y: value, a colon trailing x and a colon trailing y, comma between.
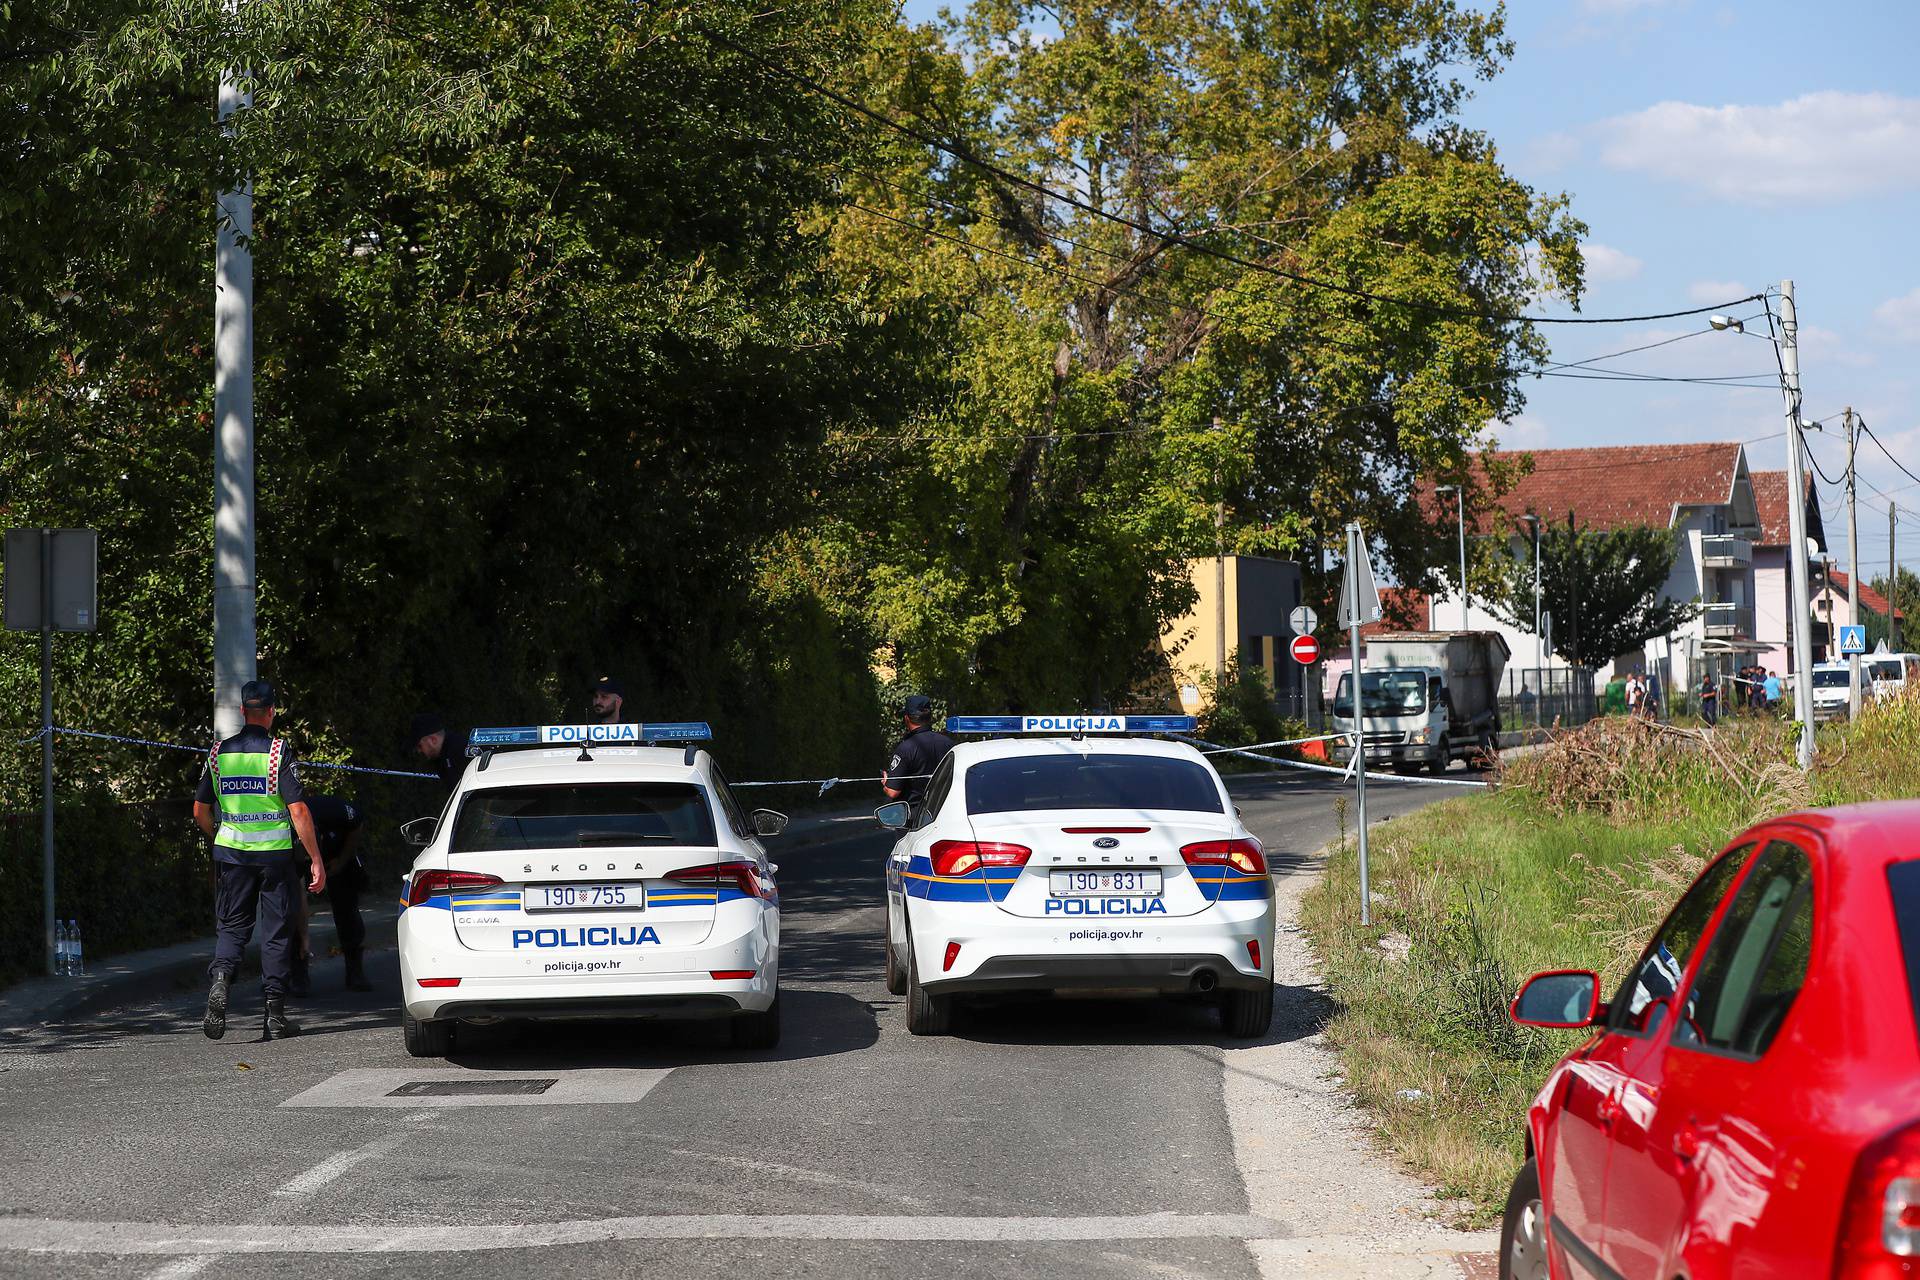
x: 1773, y: 592
x: 1704, y: 492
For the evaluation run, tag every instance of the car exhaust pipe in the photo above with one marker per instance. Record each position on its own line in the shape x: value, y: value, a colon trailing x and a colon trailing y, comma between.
x: 1204, y: 981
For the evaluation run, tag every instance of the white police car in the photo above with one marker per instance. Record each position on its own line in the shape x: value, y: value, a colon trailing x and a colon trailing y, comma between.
x: 1072, y: 857
x: 590, y: 875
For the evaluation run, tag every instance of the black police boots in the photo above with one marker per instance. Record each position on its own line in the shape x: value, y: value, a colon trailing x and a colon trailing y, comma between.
x: 216, y: 1024
x: 356, y: 972
x: 278, y: 1028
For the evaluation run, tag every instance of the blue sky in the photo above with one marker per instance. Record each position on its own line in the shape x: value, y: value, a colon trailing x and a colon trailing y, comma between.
x: 1714, y: 149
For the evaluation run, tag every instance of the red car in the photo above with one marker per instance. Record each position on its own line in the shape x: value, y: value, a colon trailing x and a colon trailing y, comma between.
x: 1748, y: 1105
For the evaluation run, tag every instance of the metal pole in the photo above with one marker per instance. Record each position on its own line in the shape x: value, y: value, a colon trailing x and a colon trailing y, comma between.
x: 46, y: 747
x: 1853, y: 578
x: 1539, y: 640
x: 1460, y: 495
x: 1797, y: 529
x: 233, y: 565
x: 1219, y: 575
x: 1359, y: 718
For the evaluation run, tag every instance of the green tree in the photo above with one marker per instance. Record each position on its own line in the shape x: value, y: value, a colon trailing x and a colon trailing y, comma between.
x: 1094, y: 394
x: 1604, y: 588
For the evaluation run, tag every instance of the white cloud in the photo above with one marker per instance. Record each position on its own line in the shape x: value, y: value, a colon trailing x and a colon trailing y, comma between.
x: 1708, y: 292
x: 1824, y: 346
x: 1606, y: 263
x: 1901, y: 316
x: 1526, y: 431
x: 1821, y: 148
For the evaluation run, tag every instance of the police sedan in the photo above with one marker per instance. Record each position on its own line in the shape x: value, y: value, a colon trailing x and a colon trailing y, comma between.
x: 596, y: 873
x: 1073, y: 855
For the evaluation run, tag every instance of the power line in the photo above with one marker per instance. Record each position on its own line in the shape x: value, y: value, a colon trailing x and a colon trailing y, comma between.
x: 1185, y: 241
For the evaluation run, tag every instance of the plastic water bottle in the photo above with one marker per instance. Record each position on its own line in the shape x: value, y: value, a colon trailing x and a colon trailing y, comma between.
x: 62, y: 950
x: 76, y: 954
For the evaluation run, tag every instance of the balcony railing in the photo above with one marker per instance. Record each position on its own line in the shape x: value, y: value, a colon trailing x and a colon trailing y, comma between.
x: 1725, y: 620
x: 1725, y: 551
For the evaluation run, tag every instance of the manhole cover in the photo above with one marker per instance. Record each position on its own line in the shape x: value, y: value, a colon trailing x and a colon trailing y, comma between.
x: 471, y: 1088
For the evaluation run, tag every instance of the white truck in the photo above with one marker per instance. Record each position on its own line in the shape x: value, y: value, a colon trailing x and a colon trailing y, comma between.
x: 1427, y: 698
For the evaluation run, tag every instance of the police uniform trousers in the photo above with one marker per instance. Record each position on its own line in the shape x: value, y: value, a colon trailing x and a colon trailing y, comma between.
x: 343, y: 893
x: 241, y: 893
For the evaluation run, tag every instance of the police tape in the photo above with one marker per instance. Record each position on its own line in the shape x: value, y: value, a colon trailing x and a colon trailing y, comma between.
x: 828, y: 784
x: 1278, y: 742
x: 1250, y: 754
x: 37, y: 734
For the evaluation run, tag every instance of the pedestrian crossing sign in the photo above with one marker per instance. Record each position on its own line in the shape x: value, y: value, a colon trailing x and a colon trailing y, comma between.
x: 1853, y: 640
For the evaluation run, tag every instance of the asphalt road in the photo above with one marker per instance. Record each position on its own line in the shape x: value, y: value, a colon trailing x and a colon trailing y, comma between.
x: 1061, y: 1139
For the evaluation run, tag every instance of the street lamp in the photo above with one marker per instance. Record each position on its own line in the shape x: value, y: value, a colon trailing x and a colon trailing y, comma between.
x: 1539, y: 639
x: 1462, y: 506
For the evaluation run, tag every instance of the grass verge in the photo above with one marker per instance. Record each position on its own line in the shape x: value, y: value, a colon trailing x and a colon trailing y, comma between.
x: 1572, y: 862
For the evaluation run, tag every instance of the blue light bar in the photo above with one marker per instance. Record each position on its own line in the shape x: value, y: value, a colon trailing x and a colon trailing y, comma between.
x: 603, y: 734
x: 1070, y: 724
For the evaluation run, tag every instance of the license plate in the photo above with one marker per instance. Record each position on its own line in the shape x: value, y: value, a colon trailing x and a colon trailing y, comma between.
x: 584, y: 897
x: 1121, y: 884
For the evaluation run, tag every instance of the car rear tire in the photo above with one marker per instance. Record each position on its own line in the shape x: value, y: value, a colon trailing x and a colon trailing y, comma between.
x: 758, y: 1030
x: 429, y: 1038
x: 928, y: 1014
x: 896, y: 972
x: 1523, y: 1230
x: 1247, y: 1014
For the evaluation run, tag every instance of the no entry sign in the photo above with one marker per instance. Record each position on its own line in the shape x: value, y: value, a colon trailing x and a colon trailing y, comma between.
x: 1305, y: 649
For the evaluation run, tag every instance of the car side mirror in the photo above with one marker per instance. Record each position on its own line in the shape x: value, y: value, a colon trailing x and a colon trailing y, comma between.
x: 768, y: 822
x: 1560, y: 999
x: 419, y: 833
x: 895, y: 816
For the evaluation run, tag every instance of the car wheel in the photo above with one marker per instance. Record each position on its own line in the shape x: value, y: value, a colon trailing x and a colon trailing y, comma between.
x: 1246, y: 1014
x: 1523, y: 1232
x: 429, y: 1038
x: 1442, y: 756
x: 758, y: 1030
x: 896, y: 972
x: 927, y: 1014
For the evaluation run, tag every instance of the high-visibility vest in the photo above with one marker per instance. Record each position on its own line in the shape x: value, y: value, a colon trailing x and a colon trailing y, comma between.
x: 247, y: 786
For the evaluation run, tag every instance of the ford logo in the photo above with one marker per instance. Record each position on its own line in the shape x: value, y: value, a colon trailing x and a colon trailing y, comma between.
x: 1106, y: 842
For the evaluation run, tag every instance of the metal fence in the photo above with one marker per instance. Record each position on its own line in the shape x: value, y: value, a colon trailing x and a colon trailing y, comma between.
x: 1535, y: 696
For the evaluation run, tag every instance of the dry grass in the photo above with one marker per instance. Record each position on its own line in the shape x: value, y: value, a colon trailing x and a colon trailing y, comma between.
x: 1571, y: 863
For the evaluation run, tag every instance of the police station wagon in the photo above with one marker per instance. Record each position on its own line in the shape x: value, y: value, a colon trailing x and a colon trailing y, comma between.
x: 608, y: 878
x: 1079, y: 859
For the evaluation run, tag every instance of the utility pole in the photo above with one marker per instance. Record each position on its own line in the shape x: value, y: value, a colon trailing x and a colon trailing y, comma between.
x: 1466, y: 596
x: 233, y: 623
x: 49, y: 920
x: 1573, y: 584
x: 1853, y: 577
x: 1219, y: 574
x: 1789, y: 346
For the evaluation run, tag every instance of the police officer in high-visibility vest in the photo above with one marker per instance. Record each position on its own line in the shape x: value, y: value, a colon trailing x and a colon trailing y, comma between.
x: 251, y: 807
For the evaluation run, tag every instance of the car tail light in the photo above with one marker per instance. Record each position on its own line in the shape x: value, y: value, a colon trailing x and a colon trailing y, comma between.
x: 1106, y: 831
x: 730, y: 975
x: 431, y: 884
x: 1243, y: 854
x: 1253, y: 951
x: 1880, y: 1223
x: 743, y: 876
x: 958, y: 857
x: 436, y: 982
x: 953, y: 953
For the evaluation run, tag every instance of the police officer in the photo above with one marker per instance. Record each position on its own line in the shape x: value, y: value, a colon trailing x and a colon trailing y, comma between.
x: 337, y: 825
x: 251, y: 806
x: 916, y: 754
x: 607, y: 703
x: 444, y: 753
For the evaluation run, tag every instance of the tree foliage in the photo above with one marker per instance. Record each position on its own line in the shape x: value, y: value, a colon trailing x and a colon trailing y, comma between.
x: 1115, y: 369
x: 1605, y: 589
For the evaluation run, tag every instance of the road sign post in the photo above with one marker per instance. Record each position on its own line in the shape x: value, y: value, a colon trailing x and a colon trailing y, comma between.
x: 51, y: 585
x: 1359, y: 604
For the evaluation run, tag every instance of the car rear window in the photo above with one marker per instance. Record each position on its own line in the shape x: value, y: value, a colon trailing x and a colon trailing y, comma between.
x: 1090, y: 782
x: 590, y: 815
x: 1904, y: 879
